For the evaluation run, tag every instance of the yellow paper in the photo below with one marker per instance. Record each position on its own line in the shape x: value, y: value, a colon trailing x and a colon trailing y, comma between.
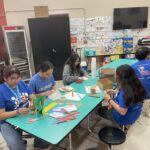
x: 50, y: 106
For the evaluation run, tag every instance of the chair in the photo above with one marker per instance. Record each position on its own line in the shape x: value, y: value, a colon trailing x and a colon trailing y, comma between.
x: 112, y: 136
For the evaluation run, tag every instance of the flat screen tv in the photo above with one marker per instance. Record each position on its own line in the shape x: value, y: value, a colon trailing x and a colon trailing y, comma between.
x: 130, y: 18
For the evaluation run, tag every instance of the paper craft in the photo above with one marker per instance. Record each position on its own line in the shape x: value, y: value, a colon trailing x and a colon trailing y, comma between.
x: 66, y: 89
x: 39, y: 103
x: 74, y: 97
x: 57, y: 109
x: 56, y: 95
x: 70, y: 116
x: 32, y: 120
x: 50, y: 106
x: 87, y: 88
x: 105, y: 103
x: 84, y: 78
x: 70, y: 108
x: 56, y: 114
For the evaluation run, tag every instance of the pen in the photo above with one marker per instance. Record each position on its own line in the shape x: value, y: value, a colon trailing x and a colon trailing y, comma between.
x: 94, y: 96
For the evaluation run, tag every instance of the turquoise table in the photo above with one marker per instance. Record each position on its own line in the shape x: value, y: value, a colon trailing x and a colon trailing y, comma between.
x: 46, y: 129
x: 117, y: 63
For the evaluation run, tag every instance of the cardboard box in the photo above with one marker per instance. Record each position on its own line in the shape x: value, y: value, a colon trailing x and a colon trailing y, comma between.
x: 108, y: 73
x: 105, y: 83
x: 41, y: 11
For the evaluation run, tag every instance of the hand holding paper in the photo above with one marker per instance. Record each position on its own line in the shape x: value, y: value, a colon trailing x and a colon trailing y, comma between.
x: 56, y: 95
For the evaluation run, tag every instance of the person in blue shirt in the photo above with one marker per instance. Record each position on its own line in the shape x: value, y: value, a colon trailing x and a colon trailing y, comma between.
x: 128, y: 101
x: 142, y: 67
x: 14, y: 101
x: 43, y: 84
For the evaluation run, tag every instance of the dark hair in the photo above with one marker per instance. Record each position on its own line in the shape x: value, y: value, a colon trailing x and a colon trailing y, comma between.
x: 71, y: 62
x: 142, y: 53
x: 133, y: 90
x: 46, y: 65
x: 8, y: 71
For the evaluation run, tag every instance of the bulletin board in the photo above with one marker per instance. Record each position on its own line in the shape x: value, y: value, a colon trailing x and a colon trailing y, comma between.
x: 98, y: 33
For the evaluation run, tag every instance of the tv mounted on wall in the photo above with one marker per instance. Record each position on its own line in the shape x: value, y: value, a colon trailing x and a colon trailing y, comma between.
x: 130, y: 18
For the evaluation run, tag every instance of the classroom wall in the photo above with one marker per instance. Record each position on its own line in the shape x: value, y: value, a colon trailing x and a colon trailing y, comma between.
x: 18, y: 11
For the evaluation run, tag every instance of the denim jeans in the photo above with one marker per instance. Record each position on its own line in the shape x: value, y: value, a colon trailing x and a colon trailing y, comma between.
x: 12, y: 137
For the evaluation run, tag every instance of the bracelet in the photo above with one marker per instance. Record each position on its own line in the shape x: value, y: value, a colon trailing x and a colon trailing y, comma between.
x: 17, y: 112
x: 109, y: 100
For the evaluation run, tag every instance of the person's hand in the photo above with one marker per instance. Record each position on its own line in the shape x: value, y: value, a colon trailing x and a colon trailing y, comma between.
x: 23, y: 111
x: 106, y: 96
x: 31, y: 106
x: 80, y: 78
x: 47, y: 93
x: 86, y: 75
x: 111, y: 91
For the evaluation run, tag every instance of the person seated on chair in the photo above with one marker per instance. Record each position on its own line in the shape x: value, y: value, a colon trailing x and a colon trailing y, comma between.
x: 43, y: 84
x: 14, y: 101
x: 72, y: 70
x: 128, y: 101
x: 142, y: 67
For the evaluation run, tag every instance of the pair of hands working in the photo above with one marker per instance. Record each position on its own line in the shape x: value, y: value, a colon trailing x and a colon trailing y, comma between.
x: 109, y: 95
x: 31, y: 105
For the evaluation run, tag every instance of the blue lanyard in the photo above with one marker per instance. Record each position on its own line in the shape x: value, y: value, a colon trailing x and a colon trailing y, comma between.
x: 16, y: 94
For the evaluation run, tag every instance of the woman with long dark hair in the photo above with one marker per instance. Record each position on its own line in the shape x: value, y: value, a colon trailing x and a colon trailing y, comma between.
x: 14, y: 101
x: 72, y: 69
x: 128, y: 102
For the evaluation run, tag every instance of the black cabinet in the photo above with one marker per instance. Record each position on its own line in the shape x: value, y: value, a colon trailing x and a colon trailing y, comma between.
x: 50, y: 38
x: 3, y: 52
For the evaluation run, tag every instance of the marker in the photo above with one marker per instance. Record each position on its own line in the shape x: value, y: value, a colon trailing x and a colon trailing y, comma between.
x: 79, y: 96
x: 58, y: 122
x: 72, y: 94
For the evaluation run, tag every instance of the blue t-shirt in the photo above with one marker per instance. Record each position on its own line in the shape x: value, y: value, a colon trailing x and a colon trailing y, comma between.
x: 39, y: 85
x: 10, y: 100
x: 142, y: 70
x: 133, y: 112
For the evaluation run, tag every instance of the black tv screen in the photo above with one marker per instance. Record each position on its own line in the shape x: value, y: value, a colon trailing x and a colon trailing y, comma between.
x: 130, y: 18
